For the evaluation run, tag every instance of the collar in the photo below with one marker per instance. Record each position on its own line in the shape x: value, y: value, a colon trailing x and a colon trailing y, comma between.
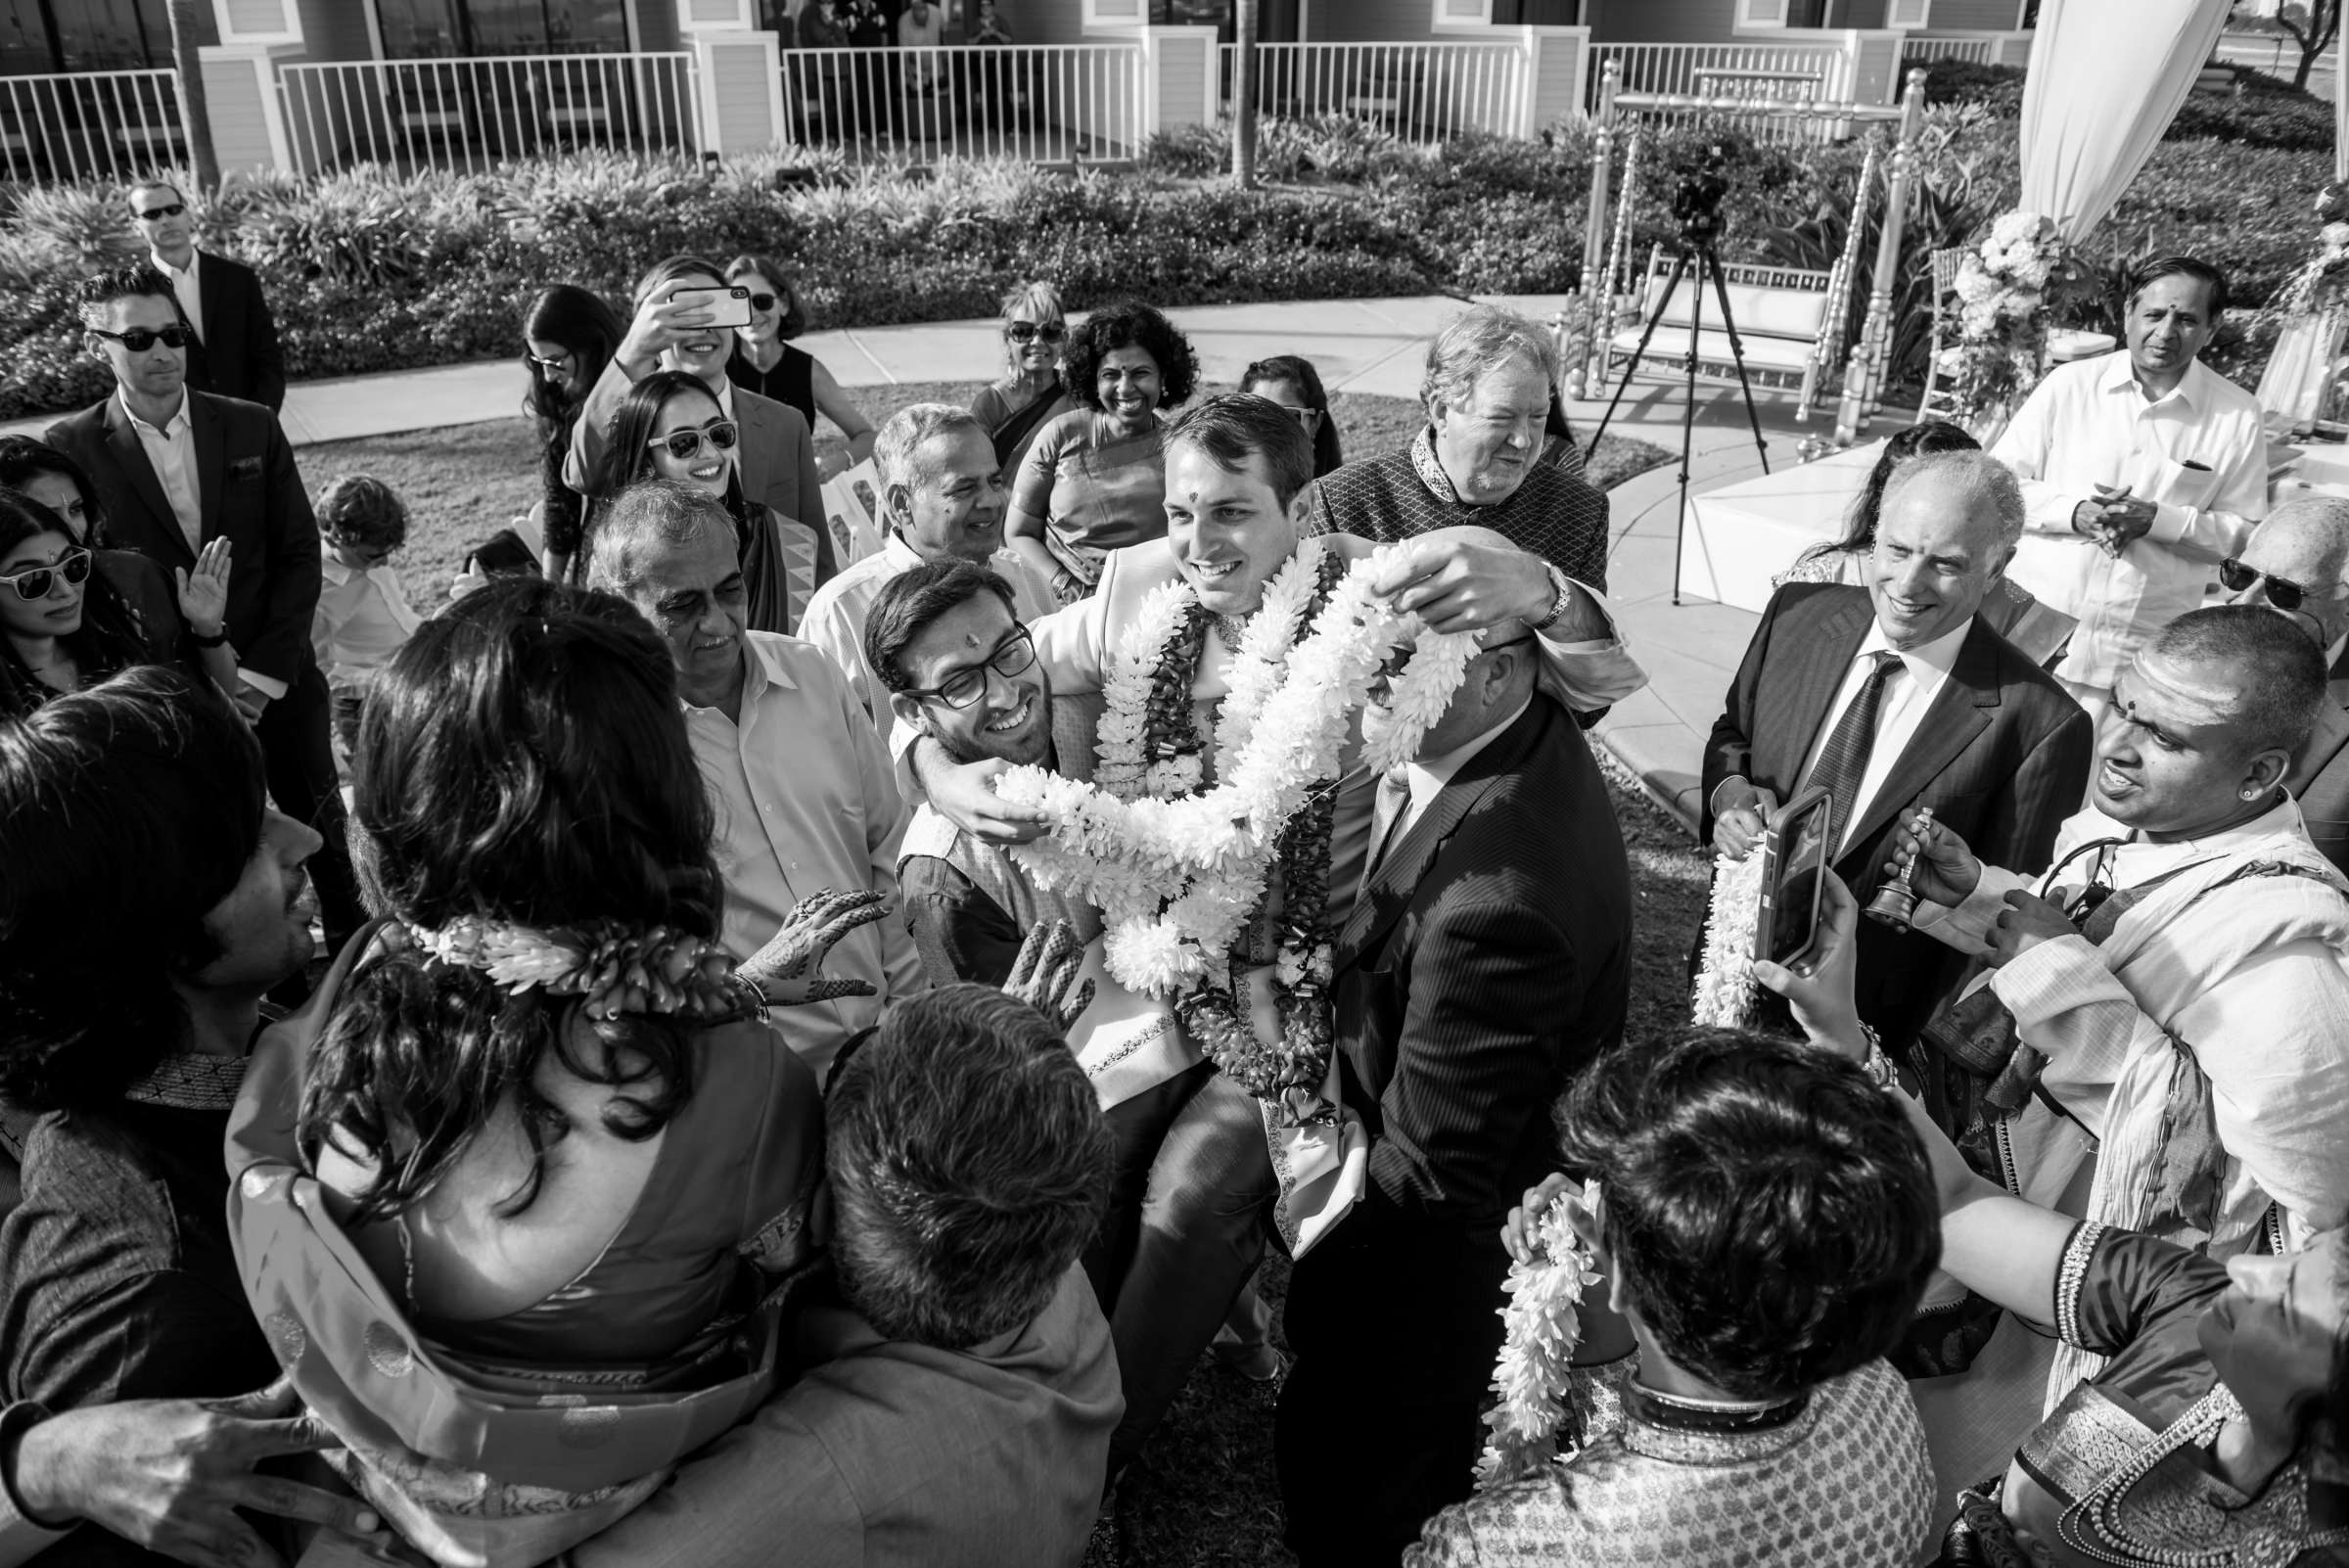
x: 763, y: 665
x: 1928, y: 664
x: 1686, y: 1430
x: 900, y: 556
x: 2120, y: 375
x: 725, y: 406
x: 1430, y: 468
x: 194, y: 259
x: 1429, y: 775
x: 170, y: 429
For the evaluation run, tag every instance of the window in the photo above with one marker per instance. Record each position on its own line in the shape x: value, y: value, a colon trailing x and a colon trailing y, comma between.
x: 91, y: 35
x: 423, y: 29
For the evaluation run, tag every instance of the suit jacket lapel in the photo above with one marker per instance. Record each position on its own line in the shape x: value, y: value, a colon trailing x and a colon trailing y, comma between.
x: 130, y: 455
x: 1820, y: 677
x: 1387, y: 891
x: 211, y: 462
x: 761, y: 448
x: 1959, y: 713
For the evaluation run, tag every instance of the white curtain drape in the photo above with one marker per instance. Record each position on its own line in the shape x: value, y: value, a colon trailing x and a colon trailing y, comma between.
x: 2107, y: 79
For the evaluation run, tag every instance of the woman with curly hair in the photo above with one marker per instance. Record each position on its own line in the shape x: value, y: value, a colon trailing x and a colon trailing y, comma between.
x: 1096, y: 478
x: 536, y: 1098
x: 569, y: 336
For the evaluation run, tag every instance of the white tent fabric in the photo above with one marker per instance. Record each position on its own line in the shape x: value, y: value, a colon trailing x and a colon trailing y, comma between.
x: 2107, y: 79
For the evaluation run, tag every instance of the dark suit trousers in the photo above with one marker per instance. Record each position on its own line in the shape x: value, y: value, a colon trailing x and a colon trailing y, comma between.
x: 298, y: 754
x: 1395, y: 1325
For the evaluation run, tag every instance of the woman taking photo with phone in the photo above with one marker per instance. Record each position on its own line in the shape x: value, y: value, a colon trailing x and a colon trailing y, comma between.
x: 763, y: 361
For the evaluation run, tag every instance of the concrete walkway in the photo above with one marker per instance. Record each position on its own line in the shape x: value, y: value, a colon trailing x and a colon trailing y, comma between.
x: 1363, y: 345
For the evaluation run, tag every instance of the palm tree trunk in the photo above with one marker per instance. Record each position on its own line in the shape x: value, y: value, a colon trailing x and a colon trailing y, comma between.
x: 194, y: 118
x: 1243, y: 96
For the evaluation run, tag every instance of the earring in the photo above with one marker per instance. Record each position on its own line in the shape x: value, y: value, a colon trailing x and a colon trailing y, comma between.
x: 2252, y: 794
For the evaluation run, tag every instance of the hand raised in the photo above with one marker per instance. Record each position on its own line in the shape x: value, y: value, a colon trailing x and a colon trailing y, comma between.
x: 203, y: 593
x: 1044, y: 974
x: 788, y: 970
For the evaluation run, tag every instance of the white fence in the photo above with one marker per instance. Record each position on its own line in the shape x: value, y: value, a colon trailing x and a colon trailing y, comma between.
x: 1916, y: 51
x: 474, y: 112
x: 1424, y: 92
x: 1054, y: 103
x: 101, y: 124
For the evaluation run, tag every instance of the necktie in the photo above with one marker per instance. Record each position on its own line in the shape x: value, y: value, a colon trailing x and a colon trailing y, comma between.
x: 1387, y: 814
x: 1843, y: 762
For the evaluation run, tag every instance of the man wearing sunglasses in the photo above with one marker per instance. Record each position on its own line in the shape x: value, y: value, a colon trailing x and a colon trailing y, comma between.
x: 2296, y: 564
x: 176, y: 469
x: 234, y: 351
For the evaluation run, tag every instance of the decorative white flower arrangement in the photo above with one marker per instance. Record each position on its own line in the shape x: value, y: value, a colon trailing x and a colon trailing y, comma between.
x: 2003, y: 291
x: 1537, y: 1354
x: 1726, y: 988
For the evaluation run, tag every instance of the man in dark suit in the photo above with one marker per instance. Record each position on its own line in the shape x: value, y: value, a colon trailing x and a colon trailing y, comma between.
x: 1897, y: 696
x: 1487, y: 959
x: 175, y: 468
x: 235, y: 353
x: 2296, y: 563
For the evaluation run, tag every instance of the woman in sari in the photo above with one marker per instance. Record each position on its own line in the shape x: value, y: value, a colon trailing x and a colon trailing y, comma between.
x: 2217, y: 1430
x: 1029, y: 394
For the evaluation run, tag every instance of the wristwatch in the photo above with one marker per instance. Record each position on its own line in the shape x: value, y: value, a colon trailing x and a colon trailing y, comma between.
x: 212, y: 641
x: 1563, y: 589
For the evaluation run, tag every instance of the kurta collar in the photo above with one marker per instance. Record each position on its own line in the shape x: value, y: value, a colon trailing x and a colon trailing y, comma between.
x: 2192, y: 390
x: 1430, y: 468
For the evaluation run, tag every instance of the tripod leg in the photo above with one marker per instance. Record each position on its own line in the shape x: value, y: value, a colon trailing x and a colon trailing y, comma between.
x: 1696, y: 329
x: 1710, y: 266
x: 1680, y: 270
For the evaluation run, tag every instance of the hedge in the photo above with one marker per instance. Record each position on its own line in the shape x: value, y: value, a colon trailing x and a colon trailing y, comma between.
x: 371, y: 270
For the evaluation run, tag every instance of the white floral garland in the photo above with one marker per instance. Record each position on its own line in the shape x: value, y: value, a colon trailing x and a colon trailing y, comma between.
x: 1536, y: 1356
x: 1725, y: 987
x: 1176, y: 879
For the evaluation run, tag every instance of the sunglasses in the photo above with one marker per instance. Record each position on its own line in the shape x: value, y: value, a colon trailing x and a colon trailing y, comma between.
x: 558, y: 366
x: 966, y: 686
x: 686, y: 445
x: 1028, y: 332
x: 35, y: 582
x: 763, y: 301
x: 1309, y: 418
x: 138, y: 339
x: 2282, y: 592
x: 154, y: 213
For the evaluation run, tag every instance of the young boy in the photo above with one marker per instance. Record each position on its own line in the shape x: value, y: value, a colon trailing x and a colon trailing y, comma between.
x: 364, y: 617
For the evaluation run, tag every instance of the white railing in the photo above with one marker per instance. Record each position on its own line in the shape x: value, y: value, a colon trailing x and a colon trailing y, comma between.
x: 1053, y: 103
x: 1916, y: 51
x: 1424, y: 92
x: 470, y: 114
x: 1789, y: 72
x: 100, y: 124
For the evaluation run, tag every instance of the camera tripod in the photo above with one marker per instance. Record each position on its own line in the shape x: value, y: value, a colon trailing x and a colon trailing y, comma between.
x: 1697, y: 253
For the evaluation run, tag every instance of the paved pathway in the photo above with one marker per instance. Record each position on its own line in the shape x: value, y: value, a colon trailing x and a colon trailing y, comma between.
x: 1363, y: 345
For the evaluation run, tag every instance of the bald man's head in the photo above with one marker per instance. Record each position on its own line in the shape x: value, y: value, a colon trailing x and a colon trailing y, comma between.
x: 2305, y: 545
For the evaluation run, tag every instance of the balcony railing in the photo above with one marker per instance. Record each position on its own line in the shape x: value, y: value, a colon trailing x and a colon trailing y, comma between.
x: 1424, y: 92
x: 1052, y: 103
x: 1916, y: 51
x: 101, y: 124
x: 1789, y: 72
x: 471, y: 114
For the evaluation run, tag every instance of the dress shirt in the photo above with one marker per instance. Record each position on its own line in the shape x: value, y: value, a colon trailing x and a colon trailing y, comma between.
x: 171, y: 453
x: 837, y: 613
x: 803, y: 800
x: 1908, y: 692
x: 2087, y: 424
x: 362, y: 620
x: 185, y: 287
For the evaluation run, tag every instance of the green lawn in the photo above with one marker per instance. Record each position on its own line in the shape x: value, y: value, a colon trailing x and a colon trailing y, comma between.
x: 1202, y: 1493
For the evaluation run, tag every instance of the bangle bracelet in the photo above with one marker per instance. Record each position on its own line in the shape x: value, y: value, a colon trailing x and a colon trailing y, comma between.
x: 215, y: 640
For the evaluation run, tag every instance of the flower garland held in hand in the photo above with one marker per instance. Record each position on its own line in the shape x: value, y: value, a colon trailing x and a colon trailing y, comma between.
x: 1725, y: 987
x: 1537, y: 1353
x: 617, y: 968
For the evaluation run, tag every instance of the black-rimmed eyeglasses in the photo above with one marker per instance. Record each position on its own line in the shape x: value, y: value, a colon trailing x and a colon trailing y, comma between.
x: 968, y: 684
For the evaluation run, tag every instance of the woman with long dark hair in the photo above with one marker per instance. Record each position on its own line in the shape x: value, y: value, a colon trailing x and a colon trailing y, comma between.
x: 535, y: 1098
x: 570, y: 334
x: 1294, y: 384
x: 669, y: 427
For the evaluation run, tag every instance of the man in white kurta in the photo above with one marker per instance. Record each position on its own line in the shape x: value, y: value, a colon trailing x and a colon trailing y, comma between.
x: 798, y: 781
x: 2142, y: 469
x: 943, y: 498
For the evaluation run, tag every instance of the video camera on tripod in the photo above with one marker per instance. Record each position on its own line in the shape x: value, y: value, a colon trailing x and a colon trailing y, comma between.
x: 1697, y: 193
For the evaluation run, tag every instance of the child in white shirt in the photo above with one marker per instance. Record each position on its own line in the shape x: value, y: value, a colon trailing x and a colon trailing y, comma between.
x: 364, y: 617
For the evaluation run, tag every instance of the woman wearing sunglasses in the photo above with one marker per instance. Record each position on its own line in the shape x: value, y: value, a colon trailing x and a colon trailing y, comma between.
x: 569, y: 337
x: 1031, y: 394
x: 669, y: 427
x: 65, y: 623
x: 1296, y: 386
x: 766, y: 363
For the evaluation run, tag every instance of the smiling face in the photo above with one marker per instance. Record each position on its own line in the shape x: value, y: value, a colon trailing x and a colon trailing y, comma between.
x: 56, y: 614
x: 2170, y: 322
x: 2171, y: 759
x: 1128, y: 384
x: 171, y: 236
x: 1228, y: 530
x: 561, y: 367
x: 1012, y: 720
x: 262, y: 928
x: 160, y: 371
x: 1937, y: 553
x: 765, y: 325
x: 693, y: 594
x: 63, y: 497
x: 953, y: 510
x: 1489, y: 443
x: 1039, y: 354
x: 708, y: 468
x: 2271, y: 1337
x: 705, y: 352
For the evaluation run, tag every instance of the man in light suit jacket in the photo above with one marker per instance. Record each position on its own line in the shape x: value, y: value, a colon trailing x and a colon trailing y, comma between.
x: 176, y: 469
x: 1486, y: 961
x: 1964, y: 722
x: 236, y: 353
x: 2296, y: 563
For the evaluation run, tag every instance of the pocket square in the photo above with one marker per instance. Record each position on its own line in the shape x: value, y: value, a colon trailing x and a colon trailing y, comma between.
x: 240, y: 468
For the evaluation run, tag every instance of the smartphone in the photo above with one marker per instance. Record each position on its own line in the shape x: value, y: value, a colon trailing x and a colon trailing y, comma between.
x: 727, y: 306
x: 1794, y: 866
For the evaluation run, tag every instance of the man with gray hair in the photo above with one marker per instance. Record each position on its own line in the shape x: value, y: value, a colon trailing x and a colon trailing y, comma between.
x: 1897, y: 696
x: 2296, y: 563
x: 803, y: 792
x: 1487, y: 391
x: 943, y: 495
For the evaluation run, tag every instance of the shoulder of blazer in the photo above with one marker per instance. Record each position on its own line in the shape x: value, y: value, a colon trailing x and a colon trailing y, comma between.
x: 2037, y: 698
x: 1802, y: 604
x: 753, y: 408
